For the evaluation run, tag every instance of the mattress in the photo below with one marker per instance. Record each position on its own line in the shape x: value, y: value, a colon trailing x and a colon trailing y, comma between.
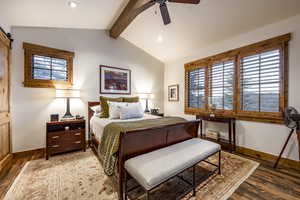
x: 97, y: 124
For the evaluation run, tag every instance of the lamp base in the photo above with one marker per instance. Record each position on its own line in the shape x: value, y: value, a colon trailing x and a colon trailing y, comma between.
x: 68, y: 114
x: 147, y: 109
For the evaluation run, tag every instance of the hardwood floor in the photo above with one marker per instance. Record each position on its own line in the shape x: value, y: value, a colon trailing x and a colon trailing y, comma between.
x: 264, y: 184
x: 19, y: 161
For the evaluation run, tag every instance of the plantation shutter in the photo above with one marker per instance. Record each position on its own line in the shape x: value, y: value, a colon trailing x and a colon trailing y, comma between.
x: 260, y: 82
x: 196, y: 87
x: 222, y: 85
x: 48, y: 68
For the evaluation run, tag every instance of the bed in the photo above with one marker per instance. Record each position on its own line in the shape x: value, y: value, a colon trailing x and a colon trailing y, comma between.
x: 137, y: 141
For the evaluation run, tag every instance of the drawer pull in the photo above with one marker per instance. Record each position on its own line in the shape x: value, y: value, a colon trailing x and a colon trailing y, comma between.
x: 77, y: 134
x: 55, y: 137
x: 55, y: 146
x: 77, y: 142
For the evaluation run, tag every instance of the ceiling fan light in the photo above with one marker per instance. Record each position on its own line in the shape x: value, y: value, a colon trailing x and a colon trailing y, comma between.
x: 72, y: 4
x: 159, y: 39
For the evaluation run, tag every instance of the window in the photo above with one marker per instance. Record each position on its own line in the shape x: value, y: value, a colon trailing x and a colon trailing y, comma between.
x: 222, y: 85
x: 260, y: 82
x: 249, y: 83
x: 47, y: 67
x: 197, y: 88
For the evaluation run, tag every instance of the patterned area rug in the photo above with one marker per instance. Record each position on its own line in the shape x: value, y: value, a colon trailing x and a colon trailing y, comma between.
x: 80, y: 176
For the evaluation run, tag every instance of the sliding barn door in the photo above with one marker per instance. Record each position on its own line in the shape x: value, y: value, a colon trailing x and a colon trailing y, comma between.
x: 5, y: 143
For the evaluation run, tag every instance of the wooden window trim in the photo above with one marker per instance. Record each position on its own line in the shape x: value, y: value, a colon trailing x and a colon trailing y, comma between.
x: 280, y: 42
x: 33, y: 49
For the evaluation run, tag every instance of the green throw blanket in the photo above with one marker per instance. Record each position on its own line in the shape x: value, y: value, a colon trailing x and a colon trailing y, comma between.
x: 109, y: 146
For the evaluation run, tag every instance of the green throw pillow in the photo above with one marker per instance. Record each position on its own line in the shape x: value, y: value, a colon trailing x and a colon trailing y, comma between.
x: 131, y: 99
x: 105, y: 107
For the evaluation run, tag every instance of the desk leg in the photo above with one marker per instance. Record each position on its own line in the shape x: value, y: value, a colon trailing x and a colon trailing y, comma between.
x: 229, y: 134
x: 234, y: 136
x: 201, y: 129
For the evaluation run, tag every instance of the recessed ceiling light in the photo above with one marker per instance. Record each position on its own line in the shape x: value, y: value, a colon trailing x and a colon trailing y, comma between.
x: 72, y: 4
x: 159, y: 39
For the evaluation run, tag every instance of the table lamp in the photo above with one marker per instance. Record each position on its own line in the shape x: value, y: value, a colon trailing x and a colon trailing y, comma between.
x: 67, y: 93
x: 145, y: 96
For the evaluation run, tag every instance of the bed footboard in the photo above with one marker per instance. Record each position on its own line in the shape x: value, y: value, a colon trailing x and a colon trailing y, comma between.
x: 141, y: 141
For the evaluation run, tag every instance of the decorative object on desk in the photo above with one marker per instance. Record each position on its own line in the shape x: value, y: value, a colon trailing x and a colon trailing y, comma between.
x: 79, y: 117
x: 173, y: 92
x: 67, y: 93
x: 292, y: 121
x: 212, y: 109
x: 115, y: 80
x: 213, y: 134
x: 154, y: 110
x: 146, y: 96
x: 54, y: 117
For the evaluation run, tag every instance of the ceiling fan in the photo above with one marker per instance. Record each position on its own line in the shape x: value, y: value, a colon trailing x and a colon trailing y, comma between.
x: 164, y: 9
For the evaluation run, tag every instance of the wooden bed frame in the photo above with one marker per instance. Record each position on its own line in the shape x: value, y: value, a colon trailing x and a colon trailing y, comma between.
x: 141, y: 141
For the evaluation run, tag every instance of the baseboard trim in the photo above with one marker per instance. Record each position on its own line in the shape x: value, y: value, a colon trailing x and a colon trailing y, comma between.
x: 268, y: 157
x: 28, y: 153
x: 5, y: 164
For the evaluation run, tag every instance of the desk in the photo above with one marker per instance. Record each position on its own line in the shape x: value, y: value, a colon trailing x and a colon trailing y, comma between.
x: 231, y: 128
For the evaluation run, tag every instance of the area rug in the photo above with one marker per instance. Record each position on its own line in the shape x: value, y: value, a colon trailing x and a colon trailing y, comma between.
x: 79, y: 176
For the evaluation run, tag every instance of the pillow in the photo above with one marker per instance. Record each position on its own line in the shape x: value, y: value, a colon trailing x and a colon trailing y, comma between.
x: 114, y: 109
x: 104, y: 105
x: 97, y: 115
x: 131, y: 99
x: 96, y: 109
x: 137, y: 104
x: 133, y: 110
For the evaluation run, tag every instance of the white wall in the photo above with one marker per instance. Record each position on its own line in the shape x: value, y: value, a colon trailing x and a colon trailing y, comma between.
x: 31, y: 107
x: 264, y: 137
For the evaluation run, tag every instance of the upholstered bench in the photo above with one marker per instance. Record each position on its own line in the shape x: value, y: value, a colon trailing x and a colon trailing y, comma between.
x: 154, y: 168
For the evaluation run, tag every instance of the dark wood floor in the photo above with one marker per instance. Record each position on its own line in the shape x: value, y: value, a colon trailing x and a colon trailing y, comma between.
x: 264, y: 184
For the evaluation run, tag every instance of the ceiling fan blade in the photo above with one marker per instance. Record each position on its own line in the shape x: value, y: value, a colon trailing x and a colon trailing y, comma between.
x: 165, y: 13
x: 185, y: 1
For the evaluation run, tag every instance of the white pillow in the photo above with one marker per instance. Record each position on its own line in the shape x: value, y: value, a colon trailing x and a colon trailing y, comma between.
x: 97, y: 114
x: 114, y: 109
x: 137, y: 104
x: 133, y: 110
x: 96, y: 109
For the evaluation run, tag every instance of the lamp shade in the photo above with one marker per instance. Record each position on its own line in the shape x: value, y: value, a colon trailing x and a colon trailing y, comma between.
x: 145, y: 95
x: 67, y: 93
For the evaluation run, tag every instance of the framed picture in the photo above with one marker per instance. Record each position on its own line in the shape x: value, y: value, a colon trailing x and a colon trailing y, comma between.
x: 115, y: 80
x: 173, y: 92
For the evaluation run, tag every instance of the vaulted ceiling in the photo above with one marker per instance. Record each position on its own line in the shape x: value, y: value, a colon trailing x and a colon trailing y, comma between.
x: 192, y: 27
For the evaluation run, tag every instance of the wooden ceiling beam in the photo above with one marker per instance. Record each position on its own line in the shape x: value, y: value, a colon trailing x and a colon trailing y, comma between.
x: 131, y: 11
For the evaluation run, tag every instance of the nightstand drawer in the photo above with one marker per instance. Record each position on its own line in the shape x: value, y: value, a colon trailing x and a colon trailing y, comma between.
x: 58, y: 148
x: 63, y: 134
x: 65, y: 126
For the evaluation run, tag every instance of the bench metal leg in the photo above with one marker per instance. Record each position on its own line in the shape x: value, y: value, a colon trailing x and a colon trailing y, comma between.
x: 194, y: 180
x: 219, y: 167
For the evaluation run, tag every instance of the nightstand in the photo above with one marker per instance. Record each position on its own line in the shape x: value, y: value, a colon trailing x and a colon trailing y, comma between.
x: 64, y: 136
x: 157, y: 114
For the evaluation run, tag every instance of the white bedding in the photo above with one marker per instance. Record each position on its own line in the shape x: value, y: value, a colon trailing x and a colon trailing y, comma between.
x: 97, y: 124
